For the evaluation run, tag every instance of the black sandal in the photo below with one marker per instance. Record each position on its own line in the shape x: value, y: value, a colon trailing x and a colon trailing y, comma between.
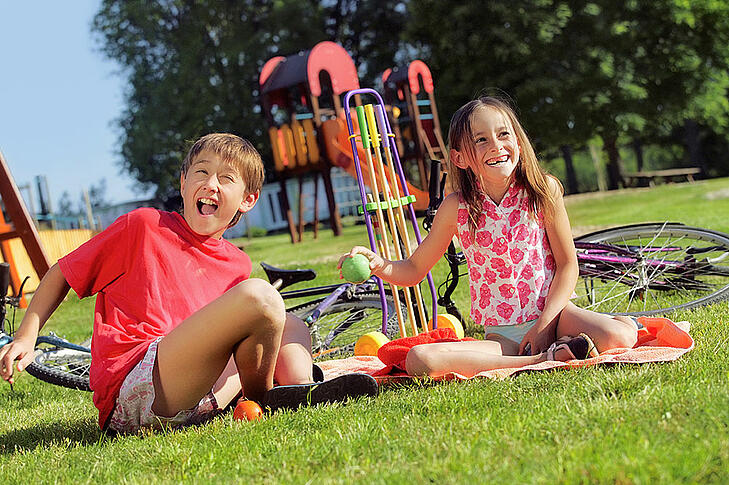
x: 579, y: 348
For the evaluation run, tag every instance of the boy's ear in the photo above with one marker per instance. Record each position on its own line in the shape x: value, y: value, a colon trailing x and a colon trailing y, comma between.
x: 457, y: 159
x: 182, y: 181
x: 249, y: 201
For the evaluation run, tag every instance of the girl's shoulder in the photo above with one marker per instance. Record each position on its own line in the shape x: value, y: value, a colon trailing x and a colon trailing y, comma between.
x: 555, y: 186
x: 451, y: 202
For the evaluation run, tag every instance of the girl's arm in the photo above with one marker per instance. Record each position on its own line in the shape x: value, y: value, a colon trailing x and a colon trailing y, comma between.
x: 51, y: 291
x: 563, y: 284
x: 411, y: 271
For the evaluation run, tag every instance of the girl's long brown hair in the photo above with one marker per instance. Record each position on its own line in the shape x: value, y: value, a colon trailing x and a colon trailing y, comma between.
x: 528, y: 173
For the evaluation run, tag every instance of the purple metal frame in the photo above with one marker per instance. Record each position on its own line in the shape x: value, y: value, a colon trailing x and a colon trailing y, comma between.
x: 403, y: 183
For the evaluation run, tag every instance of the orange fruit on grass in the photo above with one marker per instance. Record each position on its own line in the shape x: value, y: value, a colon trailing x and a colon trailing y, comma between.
x: 247, y: 410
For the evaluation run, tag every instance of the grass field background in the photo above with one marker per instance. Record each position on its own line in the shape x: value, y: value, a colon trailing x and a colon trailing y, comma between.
x: 665, y: 423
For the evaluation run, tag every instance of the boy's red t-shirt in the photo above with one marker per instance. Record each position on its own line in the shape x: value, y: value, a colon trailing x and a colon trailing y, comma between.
x: 150, y: 271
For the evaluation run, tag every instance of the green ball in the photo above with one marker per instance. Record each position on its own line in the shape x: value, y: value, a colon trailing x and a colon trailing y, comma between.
x: 356, y: 269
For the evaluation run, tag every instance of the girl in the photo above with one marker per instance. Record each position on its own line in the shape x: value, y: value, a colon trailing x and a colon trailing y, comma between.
x: 510, y: 218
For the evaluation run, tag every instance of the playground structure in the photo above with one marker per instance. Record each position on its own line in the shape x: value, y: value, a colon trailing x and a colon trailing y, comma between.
x: 410, y: 97
x: 301, y: 98
x: 387, y: 224
x: 22, y: 227
x: 293, y: 90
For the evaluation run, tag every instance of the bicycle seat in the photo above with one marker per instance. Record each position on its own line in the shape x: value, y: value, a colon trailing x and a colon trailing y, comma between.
x: 287, y: 277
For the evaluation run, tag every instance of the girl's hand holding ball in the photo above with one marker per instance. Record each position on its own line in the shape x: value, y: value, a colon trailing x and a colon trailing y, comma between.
x: 359, y: 264
x: 356, y: 269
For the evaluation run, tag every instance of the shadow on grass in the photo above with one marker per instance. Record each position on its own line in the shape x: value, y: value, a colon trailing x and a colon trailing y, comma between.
x: 60, y: 433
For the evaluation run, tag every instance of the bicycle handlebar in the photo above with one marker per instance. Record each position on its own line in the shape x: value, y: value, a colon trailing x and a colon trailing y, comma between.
x: 4, y: 279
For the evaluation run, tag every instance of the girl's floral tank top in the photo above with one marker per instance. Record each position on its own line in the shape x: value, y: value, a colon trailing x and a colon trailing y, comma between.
x: 510, y: 263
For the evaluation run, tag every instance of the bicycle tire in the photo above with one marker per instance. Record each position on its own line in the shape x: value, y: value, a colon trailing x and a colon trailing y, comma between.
x: 352, y: 316
x: 62, y: 367
x: 680, y: 267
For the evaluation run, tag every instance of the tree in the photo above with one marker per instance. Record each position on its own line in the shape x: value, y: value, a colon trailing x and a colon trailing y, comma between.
x: 193, y: 67
x: 578, y: 68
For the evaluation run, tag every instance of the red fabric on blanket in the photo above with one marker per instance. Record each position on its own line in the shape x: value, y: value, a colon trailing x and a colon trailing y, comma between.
x: 394, y: 353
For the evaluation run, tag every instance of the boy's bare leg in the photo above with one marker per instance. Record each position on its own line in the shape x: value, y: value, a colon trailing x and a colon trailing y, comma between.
x: 293, y: 365
x: 466, y: 358
x: 606, y: 331
x: 246, y: 321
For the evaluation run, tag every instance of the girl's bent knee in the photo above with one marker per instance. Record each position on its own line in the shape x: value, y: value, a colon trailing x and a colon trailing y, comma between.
x: 624, y: 335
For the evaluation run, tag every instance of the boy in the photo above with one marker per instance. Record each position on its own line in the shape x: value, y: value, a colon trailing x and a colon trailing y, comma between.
x: 179, y: 328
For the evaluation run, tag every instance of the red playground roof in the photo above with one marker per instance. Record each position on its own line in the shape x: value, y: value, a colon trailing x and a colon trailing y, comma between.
x: 305, y: 67
x: 399, y: 75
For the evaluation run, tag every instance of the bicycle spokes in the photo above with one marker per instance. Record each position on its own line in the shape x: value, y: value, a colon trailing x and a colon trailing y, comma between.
x: 651, y: 268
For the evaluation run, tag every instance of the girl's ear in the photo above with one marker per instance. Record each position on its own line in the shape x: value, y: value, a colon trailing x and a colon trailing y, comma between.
x: 457, y: 159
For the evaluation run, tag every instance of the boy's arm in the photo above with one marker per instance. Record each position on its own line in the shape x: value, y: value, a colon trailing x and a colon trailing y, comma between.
x: 51, y: 291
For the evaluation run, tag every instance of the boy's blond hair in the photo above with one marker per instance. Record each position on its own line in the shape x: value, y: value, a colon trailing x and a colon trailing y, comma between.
x: 236, y: 151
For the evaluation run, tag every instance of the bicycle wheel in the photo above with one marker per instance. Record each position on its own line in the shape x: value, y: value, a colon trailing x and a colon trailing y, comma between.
x: 651, y: 269
x: 62, y: 367
x: 334, y: 334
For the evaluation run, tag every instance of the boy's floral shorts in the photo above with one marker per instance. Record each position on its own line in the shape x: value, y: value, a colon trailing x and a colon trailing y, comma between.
x: 133, y: 409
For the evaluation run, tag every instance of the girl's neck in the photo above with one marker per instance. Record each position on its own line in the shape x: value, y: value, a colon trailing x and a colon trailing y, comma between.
x: 496, y: 190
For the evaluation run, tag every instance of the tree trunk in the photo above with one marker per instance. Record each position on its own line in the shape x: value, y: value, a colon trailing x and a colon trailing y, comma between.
x: 638, y: 148
x: 614, y: 168
x: 597, y: 163
x: 693, y: 146
x: 569, y: 169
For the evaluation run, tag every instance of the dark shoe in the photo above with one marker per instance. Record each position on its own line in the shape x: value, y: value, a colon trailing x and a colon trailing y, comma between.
x: 335, y: 390
x: 317, y: 373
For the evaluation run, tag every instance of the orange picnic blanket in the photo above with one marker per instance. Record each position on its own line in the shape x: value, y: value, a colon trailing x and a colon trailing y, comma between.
x: 660, y: 340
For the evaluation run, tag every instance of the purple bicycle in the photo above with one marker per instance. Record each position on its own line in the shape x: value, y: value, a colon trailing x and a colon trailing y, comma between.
x: 641, y: 269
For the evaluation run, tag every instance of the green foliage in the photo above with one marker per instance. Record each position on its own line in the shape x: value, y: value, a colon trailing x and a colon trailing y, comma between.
x: 193, y: 67
x: 578, y: 69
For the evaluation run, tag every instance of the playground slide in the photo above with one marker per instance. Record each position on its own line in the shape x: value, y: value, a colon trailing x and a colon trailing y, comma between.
x: 339, y: 151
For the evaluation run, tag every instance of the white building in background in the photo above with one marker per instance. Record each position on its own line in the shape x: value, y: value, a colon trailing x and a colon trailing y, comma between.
x: 267, y: 213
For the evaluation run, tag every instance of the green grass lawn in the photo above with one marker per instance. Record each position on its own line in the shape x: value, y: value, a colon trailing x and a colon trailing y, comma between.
x: 652, y: 423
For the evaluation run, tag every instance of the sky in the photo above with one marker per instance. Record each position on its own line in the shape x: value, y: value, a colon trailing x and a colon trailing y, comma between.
x: 59, y: 97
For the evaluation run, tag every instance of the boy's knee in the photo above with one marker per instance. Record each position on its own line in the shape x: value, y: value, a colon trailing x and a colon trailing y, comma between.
x: 258, y: 296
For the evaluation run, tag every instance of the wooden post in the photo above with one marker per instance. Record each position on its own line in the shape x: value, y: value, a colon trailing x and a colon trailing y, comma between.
x: 23, y: 227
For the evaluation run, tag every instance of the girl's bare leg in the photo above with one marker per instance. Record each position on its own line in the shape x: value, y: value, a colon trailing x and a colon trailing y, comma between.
x: 293, y: 365
x: 607, y: 332
x: 508, y: 346
x: 466, y: 358
x: 246, y: 322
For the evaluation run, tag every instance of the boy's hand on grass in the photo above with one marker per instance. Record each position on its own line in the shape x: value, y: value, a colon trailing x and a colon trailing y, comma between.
x: 15, y: 356
x: 376, y: 262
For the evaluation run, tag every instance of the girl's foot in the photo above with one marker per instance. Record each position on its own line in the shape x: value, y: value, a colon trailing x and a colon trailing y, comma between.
x: 572, y: 348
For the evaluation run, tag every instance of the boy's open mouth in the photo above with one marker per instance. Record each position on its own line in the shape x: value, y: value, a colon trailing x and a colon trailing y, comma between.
x: 497, y: 160
x: 206, y: 206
